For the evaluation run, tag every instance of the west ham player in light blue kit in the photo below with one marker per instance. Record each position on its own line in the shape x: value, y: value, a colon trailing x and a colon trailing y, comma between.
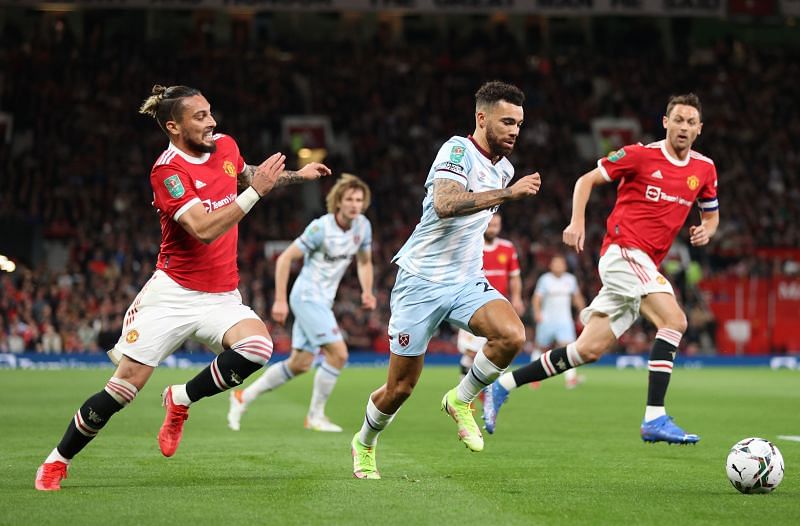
x: 556, y: 293
x: 440, y: 278
x: 327, y: 246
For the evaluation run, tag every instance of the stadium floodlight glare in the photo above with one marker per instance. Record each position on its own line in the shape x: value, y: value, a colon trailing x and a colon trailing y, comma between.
x: 6, y: 265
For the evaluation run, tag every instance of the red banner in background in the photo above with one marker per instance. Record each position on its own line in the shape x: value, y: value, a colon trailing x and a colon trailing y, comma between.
x: 755, y: 315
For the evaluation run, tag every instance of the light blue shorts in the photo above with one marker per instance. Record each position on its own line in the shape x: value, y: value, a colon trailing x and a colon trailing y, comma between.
x: 419, y: 306
x: 548, y: 333
x: 314, y: 325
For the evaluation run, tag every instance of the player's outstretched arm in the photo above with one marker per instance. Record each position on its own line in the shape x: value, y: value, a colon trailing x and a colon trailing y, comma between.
x: 451, y: 199
x: 309, y: 172
x: 575, y: 233
x: 283, y: 265
x: 208, y: 226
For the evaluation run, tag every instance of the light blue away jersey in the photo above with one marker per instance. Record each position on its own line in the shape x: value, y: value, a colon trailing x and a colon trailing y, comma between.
x: 556, y: 293
x: 450, y: 250
x: 328, y: 252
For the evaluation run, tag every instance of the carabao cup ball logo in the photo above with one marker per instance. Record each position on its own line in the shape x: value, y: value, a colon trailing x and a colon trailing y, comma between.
x: 692, y: 182
x: 456, y: 154
x: 616, y: 156
x: 229, y: 168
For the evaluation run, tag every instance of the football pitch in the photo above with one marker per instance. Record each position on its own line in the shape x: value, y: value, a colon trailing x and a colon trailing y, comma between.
x: 558, y: 456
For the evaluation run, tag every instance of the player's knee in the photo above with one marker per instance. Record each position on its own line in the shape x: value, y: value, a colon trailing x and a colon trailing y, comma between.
x: 677, y: 322
x: 338, y: 356
x: 512, y: 337
x: 592, y: 351
x: 400, y: 391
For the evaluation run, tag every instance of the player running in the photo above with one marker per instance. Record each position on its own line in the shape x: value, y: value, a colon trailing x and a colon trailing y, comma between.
x: 658, y: 184
x: 441, y: 278
x: 327, y: 246
x: 192, y: 293
x: 501, y: 268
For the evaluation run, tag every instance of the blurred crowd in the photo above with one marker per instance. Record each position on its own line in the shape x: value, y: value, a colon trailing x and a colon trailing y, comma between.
x: 75, y: 172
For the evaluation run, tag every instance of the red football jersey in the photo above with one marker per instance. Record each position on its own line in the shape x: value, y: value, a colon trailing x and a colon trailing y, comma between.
x: 179, y: 182
x: 500, y: 261
x: 654, y: 195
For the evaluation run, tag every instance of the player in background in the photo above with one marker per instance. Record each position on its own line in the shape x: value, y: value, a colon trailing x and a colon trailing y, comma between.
x: 658, y: 185
x: 327, y: 247
x: 556, y: 293
x: 501, y: 268
x: 441, y: 276
x: 192, y: 293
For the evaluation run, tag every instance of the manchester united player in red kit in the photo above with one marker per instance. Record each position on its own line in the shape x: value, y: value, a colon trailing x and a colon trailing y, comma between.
x: 192, y: 293
x: 501, y: 267
x: 657, y: 186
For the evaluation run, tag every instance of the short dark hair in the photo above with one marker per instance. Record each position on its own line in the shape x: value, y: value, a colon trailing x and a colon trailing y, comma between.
x: 687, y: 99
x: 495, y: 91
x: 165, y: 103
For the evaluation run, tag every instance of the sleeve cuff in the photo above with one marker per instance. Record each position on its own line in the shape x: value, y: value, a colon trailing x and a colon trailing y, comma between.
x: 185, y: 207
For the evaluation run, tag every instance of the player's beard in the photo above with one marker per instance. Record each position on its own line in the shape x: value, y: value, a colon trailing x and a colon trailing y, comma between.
x: 488, y: 238
x: 496, y: 146
x: 201, y: 147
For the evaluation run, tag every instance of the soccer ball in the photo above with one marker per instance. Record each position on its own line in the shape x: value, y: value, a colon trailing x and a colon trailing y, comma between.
x: 754, y: 465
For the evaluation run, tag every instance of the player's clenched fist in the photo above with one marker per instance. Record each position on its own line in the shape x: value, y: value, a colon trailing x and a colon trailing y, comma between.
x: 527, y: 186
x: 267, y: 173
x: 573, y: 236
x: 698, y: 236
x: 280, y: 311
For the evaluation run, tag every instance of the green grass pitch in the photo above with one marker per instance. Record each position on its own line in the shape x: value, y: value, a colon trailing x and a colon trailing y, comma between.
x: 558, y: 457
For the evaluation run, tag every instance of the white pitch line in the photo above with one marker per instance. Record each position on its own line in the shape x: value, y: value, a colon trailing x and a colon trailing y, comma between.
x: 793, y: 438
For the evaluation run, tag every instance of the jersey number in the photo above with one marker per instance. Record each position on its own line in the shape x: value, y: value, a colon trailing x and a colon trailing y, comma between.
x: 486, y: 286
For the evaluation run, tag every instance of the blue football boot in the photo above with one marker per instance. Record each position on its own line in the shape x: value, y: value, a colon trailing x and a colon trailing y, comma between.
x: 494, y: 398
x: 663, y: 429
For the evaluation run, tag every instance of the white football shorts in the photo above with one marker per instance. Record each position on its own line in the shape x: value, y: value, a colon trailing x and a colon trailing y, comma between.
x: 164, y: 315
x: 628, y: 274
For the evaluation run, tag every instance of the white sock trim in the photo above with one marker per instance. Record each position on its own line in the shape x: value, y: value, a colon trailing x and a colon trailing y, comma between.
x: 56, y: 456
x: 507, y: 381
x: 573, y: 356
x: 652, y: 412
x: 179, y: 395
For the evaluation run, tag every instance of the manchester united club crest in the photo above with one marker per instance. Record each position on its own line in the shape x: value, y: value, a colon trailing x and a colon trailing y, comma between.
x: 661, y: 280
x: 502, y: 258
x: 404, y: 339
x: 692, y: 182
x: 229, y: 168
x: 132, y: 336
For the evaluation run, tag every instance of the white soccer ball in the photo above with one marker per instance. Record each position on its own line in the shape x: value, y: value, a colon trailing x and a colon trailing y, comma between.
x: 754, y: 465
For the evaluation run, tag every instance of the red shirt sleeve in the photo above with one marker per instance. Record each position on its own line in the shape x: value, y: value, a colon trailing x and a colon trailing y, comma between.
x: 707, y: 198
x: 172, y: 189
x: 620, y: 163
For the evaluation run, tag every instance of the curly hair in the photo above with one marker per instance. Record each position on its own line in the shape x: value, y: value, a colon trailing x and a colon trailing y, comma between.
x: 495, y: 91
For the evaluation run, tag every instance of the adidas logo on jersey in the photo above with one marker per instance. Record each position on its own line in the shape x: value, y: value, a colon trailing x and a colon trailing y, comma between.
x: 657, y: 175
x: 199, y: 184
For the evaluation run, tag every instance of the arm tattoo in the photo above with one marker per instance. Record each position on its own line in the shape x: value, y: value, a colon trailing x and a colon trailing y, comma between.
x: 450, y: 199
x: 288, y: 177
x: 245, y: 177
